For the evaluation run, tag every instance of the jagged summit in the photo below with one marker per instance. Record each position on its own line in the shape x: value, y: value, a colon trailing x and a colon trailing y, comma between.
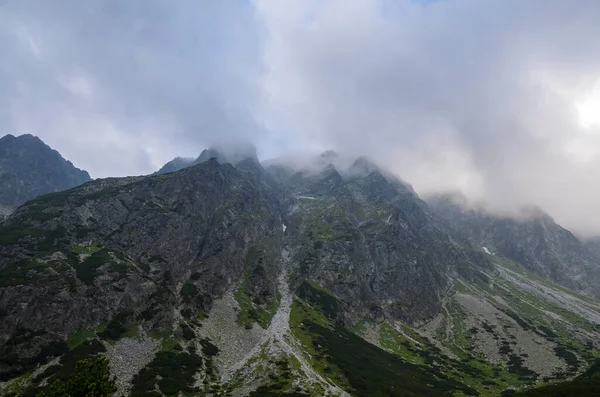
x: 30, y: 168
x: 208, y: 154
x: 231, y: 153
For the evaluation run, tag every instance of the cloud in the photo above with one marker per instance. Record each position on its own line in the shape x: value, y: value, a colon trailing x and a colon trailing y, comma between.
x: 499, y: 99
x: 121, y: 87
x: 481, y: 96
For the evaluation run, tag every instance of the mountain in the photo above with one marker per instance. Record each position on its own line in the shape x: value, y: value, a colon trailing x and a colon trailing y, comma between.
x: 29, y: 168
x: 228, y: 278
x: 535, y: 241
x: 232, y: 154
x: 178, y: 163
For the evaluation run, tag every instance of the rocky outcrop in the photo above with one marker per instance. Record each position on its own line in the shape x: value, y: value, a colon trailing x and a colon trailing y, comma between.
x: 29, y: 168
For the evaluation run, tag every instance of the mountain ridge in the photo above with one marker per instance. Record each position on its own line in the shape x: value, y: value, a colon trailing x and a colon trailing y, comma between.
x: 271, y: 280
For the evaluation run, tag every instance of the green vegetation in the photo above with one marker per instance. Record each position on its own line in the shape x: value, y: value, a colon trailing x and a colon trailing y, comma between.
x: 280, y: 381
x: 208, y: 348
x: 171, y: 372
x: 120, y: 326
x: 329, y: 223
x: 472, y: 369
x: 17, y: 366
x: 40, y: 216
x: 56, y: 199
x: 90, y: 378
x: 587, y: 384
x: 570, y: 358
x: 87, y: 270
x: 15, y: 233
x: 68, y: 361
x: 319, y: 297
x: 18, y: 387
x: 198, y: 302
x: 188, y: 292
x: 86, y: 249
x: 79, y: 337
x: 394, y: 342
x: 61, y: 372
x: 252, y: 310
x: 363, y: 368
x: 187, y: 331
x: 23, y: 272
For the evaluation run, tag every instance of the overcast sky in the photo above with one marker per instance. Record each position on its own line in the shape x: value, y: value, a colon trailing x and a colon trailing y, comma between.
x: 499, y: 99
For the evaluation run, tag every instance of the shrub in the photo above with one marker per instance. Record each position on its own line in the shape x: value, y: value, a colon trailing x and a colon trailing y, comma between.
x: 91, y: 378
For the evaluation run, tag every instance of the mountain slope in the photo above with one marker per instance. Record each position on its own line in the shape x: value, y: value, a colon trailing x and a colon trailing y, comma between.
x: 29, y: 168
x: 535, y: 242
x: 277, y: 281
x: 115, y: 250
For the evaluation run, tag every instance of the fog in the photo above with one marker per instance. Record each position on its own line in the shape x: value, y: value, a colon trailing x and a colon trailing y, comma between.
x: 497, y: 99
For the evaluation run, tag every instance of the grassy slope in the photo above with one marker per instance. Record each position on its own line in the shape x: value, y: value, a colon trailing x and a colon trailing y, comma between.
x: 357, y: 365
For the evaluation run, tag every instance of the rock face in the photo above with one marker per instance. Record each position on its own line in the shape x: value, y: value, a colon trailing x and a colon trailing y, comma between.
x: 369, y: 239
x: 535, y: 242
x: 29, y: 168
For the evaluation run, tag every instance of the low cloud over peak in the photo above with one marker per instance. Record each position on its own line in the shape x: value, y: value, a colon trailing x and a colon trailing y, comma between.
x: 497, y: 99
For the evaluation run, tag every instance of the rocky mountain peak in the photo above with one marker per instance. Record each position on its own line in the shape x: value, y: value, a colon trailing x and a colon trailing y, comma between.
x: 178, y: 163
x: 30, y: 168
x: 363, y: 166
x: 208, y: 154
x: 328, y: 157
x: 230, y: 153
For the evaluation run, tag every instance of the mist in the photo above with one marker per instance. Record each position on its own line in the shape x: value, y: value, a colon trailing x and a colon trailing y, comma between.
x: 499, y: 100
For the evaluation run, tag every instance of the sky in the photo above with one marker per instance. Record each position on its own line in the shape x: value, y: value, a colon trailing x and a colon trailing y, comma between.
x: 497, y: 99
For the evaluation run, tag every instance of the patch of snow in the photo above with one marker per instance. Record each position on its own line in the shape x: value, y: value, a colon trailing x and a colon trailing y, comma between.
x: 284, y: 227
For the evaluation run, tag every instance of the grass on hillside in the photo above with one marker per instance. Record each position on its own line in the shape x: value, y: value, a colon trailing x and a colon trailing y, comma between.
x: 357, y: 365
